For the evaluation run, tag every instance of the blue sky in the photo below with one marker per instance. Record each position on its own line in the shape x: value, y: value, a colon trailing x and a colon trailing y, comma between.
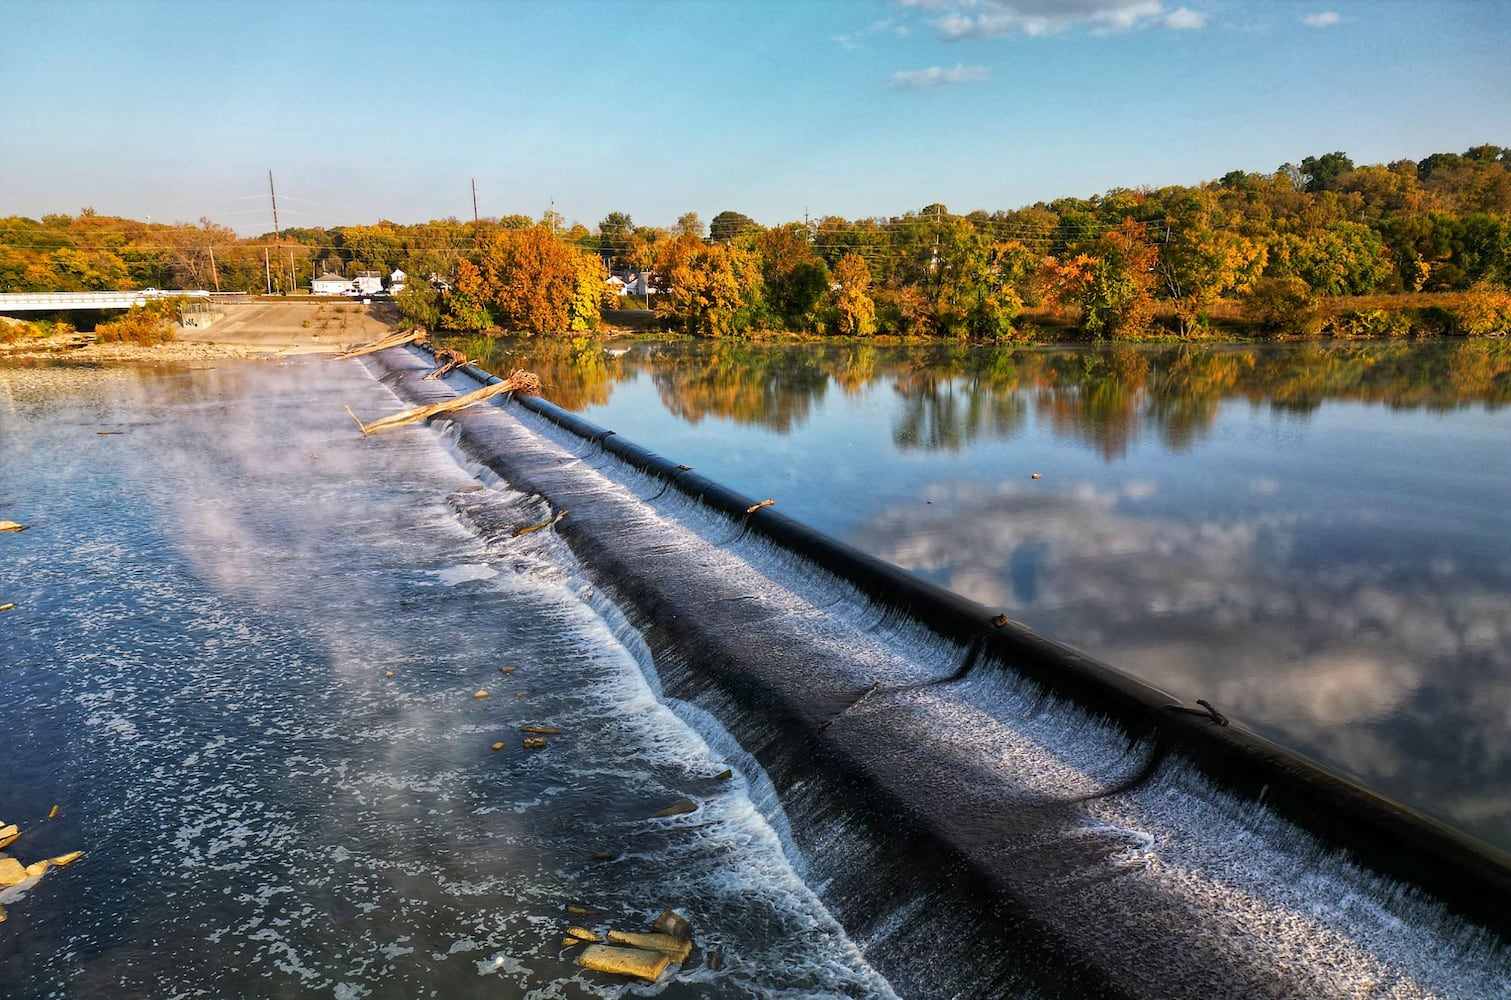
x: 176, y: 111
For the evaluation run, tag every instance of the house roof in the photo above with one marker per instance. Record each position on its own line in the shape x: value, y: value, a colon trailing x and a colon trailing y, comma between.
x: 327, y: 276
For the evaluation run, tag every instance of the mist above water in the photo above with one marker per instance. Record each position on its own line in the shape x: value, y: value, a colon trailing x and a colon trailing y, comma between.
x: 209, y: 601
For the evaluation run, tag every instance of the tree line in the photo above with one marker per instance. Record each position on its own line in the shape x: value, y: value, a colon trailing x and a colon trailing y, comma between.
x: 1269, y: 248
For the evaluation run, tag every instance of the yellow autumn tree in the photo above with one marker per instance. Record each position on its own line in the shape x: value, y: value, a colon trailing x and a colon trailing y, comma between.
x: 706, y: 290
x: 854, y: 312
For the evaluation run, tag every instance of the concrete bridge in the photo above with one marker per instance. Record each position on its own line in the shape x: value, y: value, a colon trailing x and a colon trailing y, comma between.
x: 15, y: 302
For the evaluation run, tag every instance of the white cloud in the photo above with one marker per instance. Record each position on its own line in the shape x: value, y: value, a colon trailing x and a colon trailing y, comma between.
x: 972, y: 19
x: 938, y: 76
x: 1322, y: 20
x: 1184, y: 19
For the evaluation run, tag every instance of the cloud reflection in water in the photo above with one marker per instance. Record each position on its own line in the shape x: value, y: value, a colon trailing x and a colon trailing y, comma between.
x: 1392, y: 670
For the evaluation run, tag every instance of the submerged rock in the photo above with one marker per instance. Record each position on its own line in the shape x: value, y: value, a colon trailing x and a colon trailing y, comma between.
x: 12, y: 526
x: 673, y: 923
x: 480, y: 694
x: 8, y: 835
x: 583, y: 935
x: 498, y: 746
x: 64, y: 860
x: 535, y: 742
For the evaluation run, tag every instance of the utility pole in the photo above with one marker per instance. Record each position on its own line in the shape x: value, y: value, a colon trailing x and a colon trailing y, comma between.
x: 277, y: 233
x: 293, y: 274
x: 214, y: 272
x: 268, y: 269
x: 474, y: 202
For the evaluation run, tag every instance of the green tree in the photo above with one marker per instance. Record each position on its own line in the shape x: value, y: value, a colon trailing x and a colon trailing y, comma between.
x: 614, y: 238
x: 795, y: 280
x: 1319, y: 172
x: 728, y: 224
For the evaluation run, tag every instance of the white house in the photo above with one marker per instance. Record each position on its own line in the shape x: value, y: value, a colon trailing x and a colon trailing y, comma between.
x: 617, y: 284
x: 330, y: 284
x: 397, y: 281
x: 367, y: 283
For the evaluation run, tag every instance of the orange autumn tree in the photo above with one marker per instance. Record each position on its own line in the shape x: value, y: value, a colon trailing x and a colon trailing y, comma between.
x: 1111, y: 281
x: 535, y: 283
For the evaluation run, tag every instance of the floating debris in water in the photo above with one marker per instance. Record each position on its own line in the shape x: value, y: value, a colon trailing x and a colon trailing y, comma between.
x: 1035, y: 476
x: 498, y: 746
x: 388, y: 673
x: 507, y: 670
x: 480, y: 693
x: 675, y: 948
x: 677, y: 808
x: 7, y: 607
x: 53, y: 813
x: 540, y: 730
x: 544, y: 524
x: 518, y: 381
x: 757, y: 506
x: 535, y: 742
x: 646, y: 965
x: 15, y: 877
x: 630, y: 953
x: 13, y: 526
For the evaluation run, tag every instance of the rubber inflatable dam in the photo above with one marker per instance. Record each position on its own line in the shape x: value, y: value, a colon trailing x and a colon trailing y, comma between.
x: 987, y: 812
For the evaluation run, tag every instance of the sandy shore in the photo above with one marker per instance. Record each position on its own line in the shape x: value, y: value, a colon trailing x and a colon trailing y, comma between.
x: 247, y: 330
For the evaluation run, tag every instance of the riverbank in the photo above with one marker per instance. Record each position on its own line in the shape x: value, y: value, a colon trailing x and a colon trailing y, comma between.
x: 248, y: 330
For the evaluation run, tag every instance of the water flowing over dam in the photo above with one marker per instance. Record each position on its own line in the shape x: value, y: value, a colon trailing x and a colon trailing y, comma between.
x: 989, y: 813
x: 244, y: 655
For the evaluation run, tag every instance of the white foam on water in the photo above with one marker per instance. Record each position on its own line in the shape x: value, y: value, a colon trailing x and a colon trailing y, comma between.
x: 1274, y: 902
x: 452, y: 576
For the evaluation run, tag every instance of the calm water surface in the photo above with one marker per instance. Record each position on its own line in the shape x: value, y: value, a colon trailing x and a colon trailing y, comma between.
x: 1315, y: 538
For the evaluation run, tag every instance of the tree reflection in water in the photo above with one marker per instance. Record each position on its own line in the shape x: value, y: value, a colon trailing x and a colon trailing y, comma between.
x: 1105, y: 397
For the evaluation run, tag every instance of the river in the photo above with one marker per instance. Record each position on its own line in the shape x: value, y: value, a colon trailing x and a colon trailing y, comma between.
x: 247, y: 645
x: 1314, y: 537
x: 243, y: 661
